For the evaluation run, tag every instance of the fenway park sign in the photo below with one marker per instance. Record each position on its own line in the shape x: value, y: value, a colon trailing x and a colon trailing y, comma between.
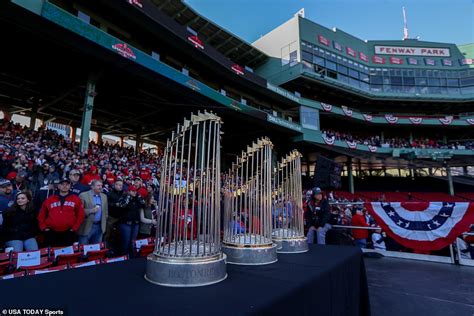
x: 412, y: 51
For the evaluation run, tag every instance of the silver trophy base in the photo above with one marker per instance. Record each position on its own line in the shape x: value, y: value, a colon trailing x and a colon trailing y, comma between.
x: 292, y: 245
x: 185, y: 274
x: 250, y: 255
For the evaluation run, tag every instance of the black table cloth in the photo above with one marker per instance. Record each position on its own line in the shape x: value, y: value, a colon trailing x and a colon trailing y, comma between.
x: 327, y: 280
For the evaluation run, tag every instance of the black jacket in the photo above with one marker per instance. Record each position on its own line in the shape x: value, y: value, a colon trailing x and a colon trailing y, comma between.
x: 19, y: 224
x: 318, y: 214
x: 113, y: 197
x: 130, y: 211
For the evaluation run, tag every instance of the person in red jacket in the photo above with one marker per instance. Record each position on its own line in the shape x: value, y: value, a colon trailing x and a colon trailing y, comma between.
x: 145, y: 174
x: 360, y: 235
x: 93, y: 174
x: 60, y: 216
x: 138, y: 183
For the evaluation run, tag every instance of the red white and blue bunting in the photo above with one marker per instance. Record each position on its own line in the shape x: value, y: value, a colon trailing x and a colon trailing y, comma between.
x: 391, y: 119
x: 372, y: 148
x: 446, y: 120
x: 346, y: 110
x: 367, y: 117
x: 470, y: 121
x: 329, y: 140
x: 426, y: 226
x: 326, y: 107
x: 416, y: 120
x: 351, y: 144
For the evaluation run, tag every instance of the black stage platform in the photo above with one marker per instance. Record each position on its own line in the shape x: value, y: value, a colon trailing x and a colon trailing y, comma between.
x: 417, y: 288
x: 328, y: 280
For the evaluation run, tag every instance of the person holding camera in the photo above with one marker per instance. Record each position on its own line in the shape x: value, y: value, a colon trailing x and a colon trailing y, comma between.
x: 129, y: 219
x: 148, y: 217
x: 378, y: 239
x: 317, y: 217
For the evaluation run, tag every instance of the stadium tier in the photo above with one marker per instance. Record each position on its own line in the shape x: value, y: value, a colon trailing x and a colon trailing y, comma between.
x: 408, y: 103
x: 254, y: 151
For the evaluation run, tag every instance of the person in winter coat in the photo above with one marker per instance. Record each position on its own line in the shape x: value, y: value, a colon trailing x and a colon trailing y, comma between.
x: 113, y: 198
x: 93, y: 174
x: 378, y: 239
x: 44, y: 193
x: 61, y: 216
x: 20, y: 225
x: 129, y: 219
x: 76, y: 186
x: 7, y: 197
x: 317, y: 217
x: 360, y: 235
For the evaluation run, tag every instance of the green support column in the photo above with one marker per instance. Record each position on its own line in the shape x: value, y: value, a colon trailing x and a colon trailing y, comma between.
x: 450, y: 180
x: 138, y: 143
x: 33, y: 114
x: 445, y: 139
x: 87, y: 112
x: 411, y: 137
x: 73, y: 134
x: 349, y: 175
x: 382, y: 137
x: 99, y: 138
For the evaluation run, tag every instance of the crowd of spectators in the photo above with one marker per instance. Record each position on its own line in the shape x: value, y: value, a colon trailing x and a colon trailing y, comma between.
x: 398, y: 142
x: 322, y: 212
x: 51, y: 194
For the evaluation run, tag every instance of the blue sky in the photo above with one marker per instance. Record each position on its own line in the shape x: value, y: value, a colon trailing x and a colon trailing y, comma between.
x: 450, y: 21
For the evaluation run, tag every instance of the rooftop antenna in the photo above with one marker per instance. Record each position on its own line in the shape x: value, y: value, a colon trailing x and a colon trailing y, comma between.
x: 405, y: 27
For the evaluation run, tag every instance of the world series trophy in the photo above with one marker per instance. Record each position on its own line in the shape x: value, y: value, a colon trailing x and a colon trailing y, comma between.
x: 247, y: 208
x: 287, y: 212
x: 188, y: 242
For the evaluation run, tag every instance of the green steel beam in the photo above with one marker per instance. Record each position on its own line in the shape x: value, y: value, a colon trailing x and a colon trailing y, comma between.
x: 87, y: 112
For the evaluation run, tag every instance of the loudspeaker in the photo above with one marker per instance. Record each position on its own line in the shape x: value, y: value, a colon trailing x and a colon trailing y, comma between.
x: 327, y: 174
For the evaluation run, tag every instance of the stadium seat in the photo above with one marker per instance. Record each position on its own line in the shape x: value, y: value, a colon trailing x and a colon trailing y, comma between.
x: 143, y: 247
x: 96, y: 255
x: 98, y: 251
x: 13, y: 275
x: 86, y: 264
x: 146, y: 250
x: 48, y: 270
x: 44, y: 263
x: 116, y: 259
x: 68, y: 259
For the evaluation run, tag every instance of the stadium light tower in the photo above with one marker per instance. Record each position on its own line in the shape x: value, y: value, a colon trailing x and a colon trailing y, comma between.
x: 405, y: 26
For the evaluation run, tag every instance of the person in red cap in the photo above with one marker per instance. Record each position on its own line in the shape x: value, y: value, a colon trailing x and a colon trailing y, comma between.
x: 93, y: 174
x: 60, y: 216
